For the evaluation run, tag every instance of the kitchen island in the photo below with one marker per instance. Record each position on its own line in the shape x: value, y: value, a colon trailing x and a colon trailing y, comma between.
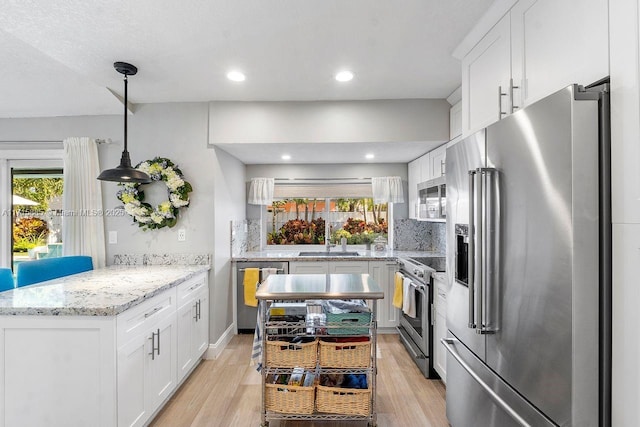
x: 103, y: 348
x: 349, y: 356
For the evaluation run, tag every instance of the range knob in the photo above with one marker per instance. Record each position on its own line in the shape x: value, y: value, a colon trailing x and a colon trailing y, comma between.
x: 418, y: 272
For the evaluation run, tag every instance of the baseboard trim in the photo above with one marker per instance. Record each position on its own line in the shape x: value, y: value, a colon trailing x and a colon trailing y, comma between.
x: 216, y: 348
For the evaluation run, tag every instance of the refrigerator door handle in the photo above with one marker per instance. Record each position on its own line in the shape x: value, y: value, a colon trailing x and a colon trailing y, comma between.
x: 449, y: 345
x: 471, y: 250
x: 479, y: 256
x: 487, y: 237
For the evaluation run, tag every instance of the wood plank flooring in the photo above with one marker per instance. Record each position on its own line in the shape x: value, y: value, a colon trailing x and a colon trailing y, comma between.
x: 226, y: 392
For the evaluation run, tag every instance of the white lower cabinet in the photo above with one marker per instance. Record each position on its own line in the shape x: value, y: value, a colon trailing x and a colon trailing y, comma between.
x: 101, y: 370
x: 383, y: 273
x: 308, y: 267
x: 440, y: 328
x: 147, y: 363
x: 193, y: 325
x: 348, y: 267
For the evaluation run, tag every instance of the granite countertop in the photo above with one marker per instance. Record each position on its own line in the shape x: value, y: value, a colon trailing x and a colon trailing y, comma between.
x: 292, y: 255
x: 102, y: 292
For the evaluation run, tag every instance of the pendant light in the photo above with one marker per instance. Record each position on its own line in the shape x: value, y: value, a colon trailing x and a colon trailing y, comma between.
x: 125, y: 172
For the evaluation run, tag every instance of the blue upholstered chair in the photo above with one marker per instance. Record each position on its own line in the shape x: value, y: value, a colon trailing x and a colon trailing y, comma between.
x: 6, y: 279
x: 40, y: 270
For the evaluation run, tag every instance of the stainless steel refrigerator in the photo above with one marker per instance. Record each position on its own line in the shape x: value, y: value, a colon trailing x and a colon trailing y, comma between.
x: 528, y: 233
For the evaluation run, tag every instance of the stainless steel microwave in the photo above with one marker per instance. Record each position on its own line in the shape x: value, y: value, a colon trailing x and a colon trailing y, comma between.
x: 433, y: 199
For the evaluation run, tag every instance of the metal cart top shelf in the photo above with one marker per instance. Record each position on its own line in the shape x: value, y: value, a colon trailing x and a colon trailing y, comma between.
x: 319, y: 286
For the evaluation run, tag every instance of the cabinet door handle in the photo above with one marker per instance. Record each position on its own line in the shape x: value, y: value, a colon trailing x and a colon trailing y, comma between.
x: 500, y: 95
x: 199, y: 309
x: 195, y: 315
x: 153, y: 345
x: 155, y: 349
x: 511, y: 88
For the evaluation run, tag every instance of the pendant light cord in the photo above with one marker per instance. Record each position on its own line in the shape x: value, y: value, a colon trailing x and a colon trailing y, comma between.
x: 125, y: 113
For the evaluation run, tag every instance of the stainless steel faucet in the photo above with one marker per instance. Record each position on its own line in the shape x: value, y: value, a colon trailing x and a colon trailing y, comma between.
x: 328, y: 245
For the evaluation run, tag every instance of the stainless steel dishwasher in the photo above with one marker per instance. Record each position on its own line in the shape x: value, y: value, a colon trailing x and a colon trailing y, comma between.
x: 247, y: 315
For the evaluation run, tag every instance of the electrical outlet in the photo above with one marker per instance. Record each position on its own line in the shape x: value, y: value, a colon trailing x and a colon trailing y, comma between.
x: 182, y: 235
x: 113, y: 237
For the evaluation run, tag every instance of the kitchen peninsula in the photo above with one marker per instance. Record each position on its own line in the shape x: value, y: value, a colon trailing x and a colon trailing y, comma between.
x: 105, y: 347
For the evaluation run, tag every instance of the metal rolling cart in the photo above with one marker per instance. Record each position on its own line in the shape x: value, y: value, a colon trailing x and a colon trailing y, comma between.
x: 314, y: 287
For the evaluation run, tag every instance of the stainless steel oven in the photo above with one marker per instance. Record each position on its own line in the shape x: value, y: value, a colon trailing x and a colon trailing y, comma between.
x: 416, y: 331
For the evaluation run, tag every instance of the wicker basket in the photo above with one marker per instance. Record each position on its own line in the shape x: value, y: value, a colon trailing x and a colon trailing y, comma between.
x: 282, y: 354
x: 345, y: 401
x: 345, y: 354
x: 289, y: 399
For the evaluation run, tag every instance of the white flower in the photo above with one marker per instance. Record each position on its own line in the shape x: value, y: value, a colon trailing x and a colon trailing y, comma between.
x: 144, y: 167
x: 177, y: 202
x: 157, y: 218
x: 174, y: 183
x: 142, y: 219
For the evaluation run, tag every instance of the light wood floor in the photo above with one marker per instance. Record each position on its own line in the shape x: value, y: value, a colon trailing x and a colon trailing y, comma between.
x: 226, y: 392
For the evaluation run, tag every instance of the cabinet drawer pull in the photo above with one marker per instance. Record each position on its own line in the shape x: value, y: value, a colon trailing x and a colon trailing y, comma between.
x: 152, y: 312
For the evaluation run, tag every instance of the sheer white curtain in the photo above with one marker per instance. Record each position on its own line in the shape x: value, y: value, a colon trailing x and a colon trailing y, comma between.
x: 387, y: 189
x: 83, y: 223
x: 261, y: 191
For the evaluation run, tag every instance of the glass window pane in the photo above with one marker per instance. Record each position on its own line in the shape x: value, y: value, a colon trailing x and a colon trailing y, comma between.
x: 37, y: 222
x: 296, y: 222
x: 359, y: 220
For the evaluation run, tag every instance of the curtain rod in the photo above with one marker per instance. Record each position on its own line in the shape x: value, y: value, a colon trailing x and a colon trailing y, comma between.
x: 322, y: 179
x: 50, y: 141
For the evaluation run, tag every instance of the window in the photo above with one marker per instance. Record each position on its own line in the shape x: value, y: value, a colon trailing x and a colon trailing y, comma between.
x: 307, y: 221
x: 36, y: 221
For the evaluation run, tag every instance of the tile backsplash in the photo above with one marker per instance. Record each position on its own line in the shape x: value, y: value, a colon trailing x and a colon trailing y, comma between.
x: 414, y: 235
x: 162, y: 259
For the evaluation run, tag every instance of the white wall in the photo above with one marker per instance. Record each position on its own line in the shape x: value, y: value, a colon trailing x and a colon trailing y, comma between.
x: 329, y: 121
x: 179, y: 132
x: 229, y: 202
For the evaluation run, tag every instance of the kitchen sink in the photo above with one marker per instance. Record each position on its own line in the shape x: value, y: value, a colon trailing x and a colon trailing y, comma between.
x: 328, y: 254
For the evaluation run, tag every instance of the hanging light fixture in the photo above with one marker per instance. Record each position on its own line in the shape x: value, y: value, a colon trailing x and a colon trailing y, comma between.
x: 125, y: 172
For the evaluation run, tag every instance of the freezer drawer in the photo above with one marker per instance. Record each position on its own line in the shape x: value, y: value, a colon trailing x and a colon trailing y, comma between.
x: 481, y: 398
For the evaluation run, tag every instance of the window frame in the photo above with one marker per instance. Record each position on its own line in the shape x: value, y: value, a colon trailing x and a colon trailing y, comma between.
x: 27, y: 158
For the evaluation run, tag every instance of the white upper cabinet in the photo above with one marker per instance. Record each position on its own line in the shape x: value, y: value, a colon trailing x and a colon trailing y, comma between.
x: 455, y: 120
x: 437, y: 162
x: 535, y: 49
x: 555, y: 44
x: 486, y: 74
x: 413, y: 175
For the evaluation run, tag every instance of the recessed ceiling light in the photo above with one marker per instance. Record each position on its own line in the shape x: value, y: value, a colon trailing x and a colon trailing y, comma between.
x: 369, y: 156
x: 286, y: 157
x: 236, y: 76
x: 344, y: 76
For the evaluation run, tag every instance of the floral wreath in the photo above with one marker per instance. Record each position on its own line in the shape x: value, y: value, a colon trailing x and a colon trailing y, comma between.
x: 166, y: 213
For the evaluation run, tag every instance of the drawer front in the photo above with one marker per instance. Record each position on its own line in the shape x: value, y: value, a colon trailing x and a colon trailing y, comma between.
x: 139, y: 318
x: 188, y: 289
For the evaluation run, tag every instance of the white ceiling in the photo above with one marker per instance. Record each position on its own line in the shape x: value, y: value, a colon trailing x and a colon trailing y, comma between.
x: 57, y: 56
